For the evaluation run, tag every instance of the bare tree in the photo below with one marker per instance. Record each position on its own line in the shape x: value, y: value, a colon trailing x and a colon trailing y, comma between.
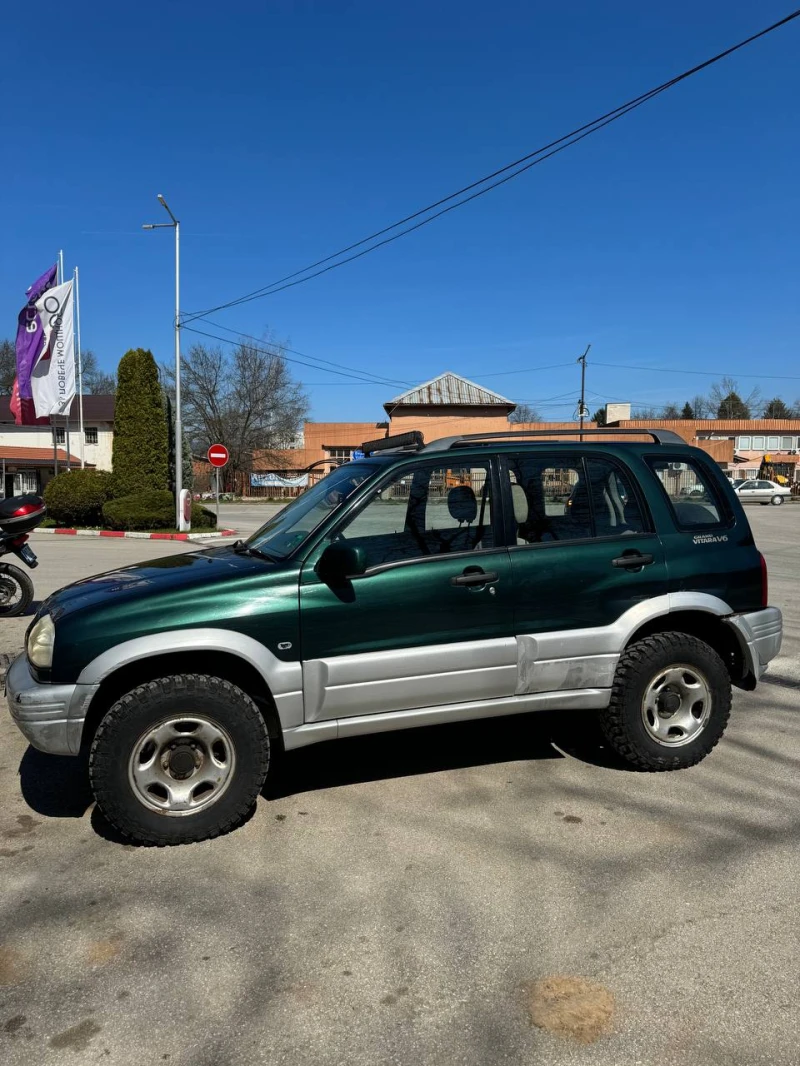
x: 727, y: 401
x: 701, y: 408
x: 524, y: 412
x: 642, y: 413
x: 671, y: 410
x: 245, y: 399
x: 96, y: 381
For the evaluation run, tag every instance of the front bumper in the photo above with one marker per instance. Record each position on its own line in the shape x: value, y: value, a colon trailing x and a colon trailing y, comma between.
x: 51, y: 717
x: 760, y: 634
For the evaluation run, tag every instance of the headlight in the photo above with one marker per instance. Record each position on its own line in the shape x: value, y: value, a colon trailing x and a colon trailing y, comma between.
x: 40, y: 643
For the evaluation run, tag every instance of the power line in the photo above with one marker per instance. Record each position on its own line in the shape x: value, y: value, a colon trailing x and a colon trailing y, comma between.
x: 530, y: 160
x: 527, y: 370
x: 703, y: 373
x: 279, y: 351
x: 318, y: 359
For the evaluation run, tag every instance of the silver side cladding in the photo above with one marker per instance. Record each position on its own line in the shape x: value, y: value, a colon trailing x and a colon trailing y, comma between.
x: 760, y: 635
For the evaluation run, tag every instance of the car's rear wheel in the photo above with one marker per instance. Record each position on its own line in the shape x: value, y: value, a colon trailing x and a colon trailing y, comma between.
x: 179, y: 759
x: 777, y: 501
x: 670, y: 702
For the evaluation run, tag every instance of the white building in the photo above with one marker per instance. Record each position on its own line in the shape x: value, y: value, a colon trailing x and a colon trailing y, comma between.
x: 27, y: 460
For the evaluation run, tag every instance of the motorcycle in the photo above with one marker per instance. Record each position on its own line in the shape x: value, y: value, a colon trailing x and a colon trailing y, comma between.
x: 19, y: 515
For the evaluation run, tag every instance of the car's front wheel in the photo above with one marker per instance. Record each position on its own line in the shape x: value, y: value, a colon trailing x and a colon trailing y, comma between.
x: 179, y: 759
x: 670, y: 702
x: 777, y: 501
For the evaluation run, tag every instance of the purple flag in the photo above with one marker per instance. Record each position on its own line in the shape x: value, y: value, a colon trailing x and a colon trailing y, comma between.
x: 30, y: 335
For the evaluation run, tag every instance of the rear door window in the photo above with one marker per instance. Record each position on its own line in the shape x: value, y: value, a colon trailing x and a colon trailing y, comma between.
x: 571, y: 498
x: 693, y: 496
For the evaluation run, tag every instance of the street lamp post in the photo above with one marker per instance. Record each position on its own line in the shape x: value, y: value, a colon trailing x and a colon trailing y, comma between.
x: 175, y: 224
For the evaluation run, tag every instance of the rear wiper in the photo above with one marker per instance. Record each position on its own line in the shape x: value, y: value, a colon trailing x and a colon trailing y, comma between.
x: 243, y: 548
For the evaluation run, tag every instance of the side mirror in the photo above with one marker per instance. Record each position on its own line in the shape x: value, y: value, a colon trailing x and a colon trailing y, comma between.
x: 339, y: 562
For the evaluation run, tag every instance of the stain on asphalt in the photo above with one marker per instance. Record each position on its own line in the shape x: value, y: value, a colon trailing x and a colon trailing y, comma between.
x: 13, y: 967
x: 101, y: 952
x: 124, y: 994
x: 573, y: 819
x: 78, y: 1037
x: 15, y: 1023
x: 280, y: 817
x: 388, y: 1000
x: 571, y: 1007
x: 25, y: 824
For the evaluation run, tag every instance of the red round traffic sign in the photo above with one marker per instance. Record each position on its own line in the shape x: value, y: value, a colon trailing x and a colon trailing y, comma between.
x: 218, y: 455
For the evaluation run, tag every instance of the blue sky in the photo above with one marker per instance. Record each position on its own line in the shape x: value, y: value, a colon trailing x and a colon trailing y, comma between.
x: 282, y: 131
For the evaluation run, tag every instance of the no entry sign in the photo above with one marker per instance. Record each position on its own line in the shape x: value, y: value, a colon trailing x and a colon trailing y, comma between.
x: 218, y: 455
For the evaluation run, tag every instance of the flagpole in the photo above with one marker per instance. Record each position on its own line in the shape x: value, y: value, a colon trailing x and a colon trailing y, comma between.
x: 80, y: 365
x: 61, y: 267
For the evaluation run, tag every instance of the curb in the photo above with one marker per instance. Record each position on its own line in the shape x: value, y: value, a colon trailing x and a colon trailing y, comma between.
x: 139, y: 536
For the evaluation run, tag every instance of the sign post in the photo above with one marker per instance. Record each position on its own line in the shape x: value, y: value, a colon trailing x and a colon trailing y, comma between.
x: 218, y: 456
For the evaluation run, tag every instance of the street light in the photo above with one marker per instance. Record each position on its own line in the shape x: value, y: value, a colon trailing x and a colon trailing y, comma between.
x: 175, y: 224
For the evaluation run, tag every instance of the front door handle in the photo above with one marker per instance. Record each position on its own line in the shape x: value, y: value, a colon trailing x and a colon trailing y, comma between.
x: 475, y: 577
x: 633, y: 560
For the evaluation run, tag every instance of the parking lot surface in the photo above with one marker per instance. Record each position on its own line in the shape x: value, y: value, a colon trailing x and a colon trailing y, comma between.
x: 395, y: 898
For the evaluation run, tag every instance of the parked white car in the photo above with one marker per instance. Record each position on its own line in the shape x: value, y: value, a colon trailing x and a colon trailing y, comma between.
x: 762, y: 492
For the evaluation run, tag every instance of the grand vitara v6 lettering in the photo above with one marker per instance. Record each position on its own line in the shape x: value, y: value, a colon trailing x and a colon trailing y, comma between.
x: 467, y: 578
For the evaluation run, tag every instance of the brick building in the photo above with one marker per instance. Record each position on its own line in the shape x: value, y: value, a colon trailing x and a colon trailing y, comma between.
x: 738, y: 445
x: 451, y: 404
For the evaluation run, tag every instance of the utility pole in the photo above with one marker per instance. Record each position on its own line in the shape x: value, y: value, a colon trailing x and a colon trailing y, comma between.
x: 582, y: 402
x: 176, y: 226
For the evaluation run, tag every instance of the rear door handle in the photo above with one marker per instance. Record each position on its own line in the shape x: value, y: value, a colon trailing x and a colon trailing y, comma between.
x: 475, y: 577
x: 632, y: 561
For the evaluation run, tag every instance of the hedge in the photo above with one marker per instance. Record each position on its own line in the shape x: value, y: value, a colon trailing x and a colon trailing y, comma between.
x: 152, y: 510
x: 77, y: 498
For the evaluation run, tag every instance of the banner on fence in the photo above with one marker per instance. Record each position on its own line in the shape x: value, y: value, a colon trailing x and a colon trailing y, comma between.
x: 263, y: 481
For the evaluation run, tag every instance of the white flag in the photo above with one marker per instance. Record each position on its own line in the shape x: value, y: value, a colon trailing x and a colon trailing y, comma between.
x: 53, y: 375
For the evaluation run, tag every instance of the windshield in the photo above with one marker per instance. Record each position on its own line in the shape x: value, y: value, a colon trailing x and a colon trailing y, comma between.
x: 290, y: 527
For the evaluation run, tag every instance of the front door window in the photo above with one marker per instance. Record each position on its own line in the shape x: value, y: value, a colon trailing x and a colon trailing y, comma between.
x: 435, y: 510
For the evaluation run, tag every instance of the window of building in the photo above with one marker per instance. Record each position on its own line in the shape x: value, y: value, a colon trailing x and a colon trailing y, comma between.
x: 434, y: 510
x: 692, y: 495
x: 743, y: 444
x: 787, y: 443
x: 90, y: 433
x: 773, y: 443
x: 338, y: 453
x: 60, y: 435
x: 758, y: 444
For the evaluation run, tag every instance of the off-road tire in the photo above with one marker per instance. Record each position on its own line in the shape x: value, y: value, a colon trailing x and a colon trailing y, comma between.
x: 19, y: 577
x: 144, y: 706
x: 622, y: 722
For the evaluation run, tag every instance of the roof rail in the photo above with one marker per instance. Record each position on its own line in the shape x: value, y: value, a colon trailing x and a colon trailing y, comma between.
x: 660, y: 436
x: 411, y: 441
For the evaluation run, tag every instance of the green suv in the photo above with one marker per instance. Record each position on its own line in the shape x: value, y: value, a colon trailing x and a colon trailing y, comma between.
x: 467, y: 578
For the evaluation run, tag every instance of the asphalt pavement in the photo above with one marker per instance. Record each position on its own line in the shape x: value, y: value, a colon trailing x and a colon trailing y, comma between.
x: 395, y: 899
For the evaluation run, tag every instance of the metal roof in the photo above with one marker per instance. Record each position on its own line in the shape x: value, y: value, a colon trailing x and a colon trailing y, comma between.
x: 96, y: 408
x: 447, y: 390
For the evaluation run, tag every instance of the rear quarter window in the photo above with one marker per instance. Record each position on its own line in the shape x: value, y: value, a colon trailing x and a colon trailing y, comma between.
x: 693, y: 495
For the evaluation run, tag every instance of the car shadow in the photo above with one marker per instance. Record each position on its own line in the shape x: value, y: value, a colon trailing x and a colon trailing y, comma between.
x: 57, y: 786
x: 434, y: 749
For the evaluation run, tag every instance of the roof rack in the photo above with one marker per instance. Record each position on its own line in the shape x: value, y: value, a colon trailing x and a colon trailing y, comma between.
x: 660, y: 436
x: 400, y: 442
